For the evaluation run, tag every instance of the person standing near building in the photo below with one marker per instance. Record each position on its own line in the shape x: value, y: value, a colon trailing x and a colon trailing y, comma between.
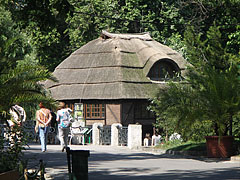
x: 63, y: 118
x: 43, y: 117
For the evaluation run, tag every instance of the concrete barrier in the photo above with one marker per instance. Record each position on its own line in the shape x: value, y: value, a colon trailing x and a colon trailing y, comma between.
x: 95, y: 133
x: 114, y: 134
x: 134, y: 136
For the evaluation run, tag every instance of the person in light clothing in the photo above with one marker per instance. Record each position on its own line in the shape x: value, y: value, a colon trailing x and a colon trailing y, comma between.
x: 63, y: 119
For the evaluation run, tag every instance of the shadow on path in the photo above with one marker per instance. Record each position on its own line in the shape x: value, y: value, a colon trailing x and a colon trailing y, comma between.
x: 104, y: 166
x: 220, y: 174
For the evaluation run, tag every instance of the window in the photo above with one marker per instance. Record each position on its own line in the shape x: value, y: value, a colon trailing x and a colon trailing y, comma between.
x: 94, y: 111
x: 162, y: 70
x: 141, y: 112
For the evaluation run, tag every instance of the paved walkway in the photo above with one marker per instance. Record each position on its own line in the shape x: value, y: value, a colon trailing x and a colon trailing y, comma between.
x: 115, y: 163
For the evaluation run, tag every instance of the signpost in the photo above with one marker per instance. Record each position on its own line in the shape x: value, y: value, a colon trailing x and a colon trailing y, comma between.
x: 79, y: 113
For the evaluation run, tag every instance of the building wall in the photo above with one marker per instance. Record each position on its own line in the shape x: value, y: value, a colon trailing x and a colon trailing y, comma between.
x: 121, y: 112
x: 145, y: 121
x: 127, y: 113
x: 91, y: 122
x: 113, y: 113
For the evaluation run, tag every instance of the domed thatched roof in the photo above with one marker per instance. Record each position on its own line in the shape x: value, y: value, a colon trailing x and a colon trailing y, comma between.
x: 114, y: 66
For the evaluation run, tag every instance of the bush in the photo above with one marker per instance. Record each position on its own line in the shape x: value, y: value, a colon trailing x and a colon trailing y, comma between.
x: 11, y: 148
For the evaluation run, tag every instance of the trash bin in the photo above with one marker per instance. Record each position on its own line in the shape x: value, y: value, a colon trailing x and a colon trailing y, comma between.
x: 77, y: 164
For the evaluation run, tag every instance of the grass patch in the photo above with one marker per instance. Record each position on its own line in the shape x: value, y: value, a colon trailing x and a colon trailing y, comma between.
x: 190, y: 147
x: 193, y: 146
x: 183, y: 146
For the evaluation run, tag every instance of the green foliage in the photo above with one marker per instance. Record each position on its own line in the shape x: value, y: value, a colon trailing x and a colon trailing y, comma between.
x: 236, y: 126
x: 55, y: 28
x: 21, y: 85
x: 189, y: 146
x: 197, y: 131
x: 133, y: 16
x: 175, y: 111
x: 13, y: 45
x: 169, y: 144
x: 175, y: 41
x: 203, y: 14
x: 20, y: 73
x: 20, y: 82
x: 11, y: 148
x: 44, y: 23
x: 210, y: 92
x: 216, y: 77
x: 234, y: 40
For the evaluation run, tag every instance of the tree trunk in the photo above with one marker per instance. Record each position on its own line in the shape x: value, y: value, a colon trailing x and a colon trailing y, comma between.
x: 166, y: 138
x: 216, y: 129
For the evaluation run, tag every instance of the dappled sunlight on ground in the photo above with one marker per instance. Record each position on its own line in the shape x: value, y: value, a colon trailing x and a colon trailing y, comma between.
x: 106, y: 162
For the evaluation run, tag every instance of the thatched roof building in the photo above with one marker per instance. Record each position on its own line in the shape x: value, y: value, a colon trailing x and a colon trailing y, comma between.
x: 114, y: 66
x: 114, y: 76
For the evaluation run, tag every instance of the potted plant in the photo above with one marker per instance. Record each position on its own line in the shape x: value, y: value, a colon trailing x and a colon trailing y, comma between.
x: 210, y: 92
x: 222, y: 103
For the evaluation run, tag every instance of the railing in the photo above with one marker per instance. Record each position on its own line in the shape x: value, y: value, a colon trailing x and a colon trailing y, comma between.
x: 29, y: 130
x: 105, y: 135
x: 122, y: 136
x: 89, y: 135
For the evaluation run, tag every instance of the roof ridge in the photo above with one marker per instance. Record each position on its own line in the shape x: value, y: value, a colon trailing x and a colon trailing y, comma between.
x: 142, y: 36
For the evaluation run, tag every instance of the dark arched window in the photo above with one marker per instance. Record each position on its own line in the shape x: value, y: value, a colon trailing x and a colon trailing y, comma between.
x: 163, y: 70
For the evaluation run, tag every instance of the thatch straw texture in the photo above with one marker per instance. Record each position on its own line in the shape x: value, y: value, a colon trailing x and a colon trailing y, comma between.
x: 114, y: 66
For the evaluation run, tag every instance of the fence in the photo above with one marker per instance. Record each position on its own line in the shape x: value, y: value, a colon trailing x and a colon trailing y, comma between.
x: 104, y: 135
x: 117, y: 135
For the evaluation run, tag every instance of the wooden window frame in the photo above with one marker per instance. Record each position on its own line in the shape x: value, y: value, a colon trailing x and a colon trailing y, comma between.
x: 101, y: 109
x: 157, y: 73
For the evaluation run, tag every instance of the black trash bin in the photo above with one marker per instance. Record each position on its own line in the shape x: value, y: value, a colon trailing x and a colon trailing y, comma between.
x: 78, y: 164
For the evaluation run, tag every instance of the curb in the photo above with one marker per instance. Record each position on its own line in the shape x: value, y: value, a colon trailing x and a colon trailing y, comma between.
x: 187, y: 153
x: 199, y: 154
x: 153, y: 150
x: 235, y: 158
x: 172, y: 152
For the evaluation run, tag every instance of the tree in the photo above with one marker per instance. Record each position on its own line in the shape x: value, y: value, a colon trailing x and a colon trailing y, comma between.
x: 10, y: 52
x: 20, y: 78
x: 132, y: 16
x: 203, y: 14
x: 56, y: 28
x: 44, y: 22
x: 210, y: 91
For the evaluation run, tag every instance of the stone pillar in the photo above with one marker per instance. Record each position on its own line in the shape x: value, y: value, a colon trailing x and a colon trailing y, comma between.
x: 114, y: 133
x: 95, y: 133
x: 134, y: 136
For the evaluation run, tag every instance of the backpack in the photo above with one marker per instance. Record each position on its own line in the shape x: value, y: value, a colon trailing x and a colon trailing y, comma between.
x: 65, y: 119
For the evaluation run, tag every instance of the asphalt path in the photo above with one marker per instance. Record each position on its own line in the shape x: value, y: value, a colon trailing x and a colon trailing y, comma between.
x: 117, y: 163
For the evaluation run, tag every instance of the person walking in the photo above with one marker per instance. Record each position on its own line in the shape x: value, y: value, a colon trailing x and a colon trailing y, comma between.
x: 43, y: 117
x: 63, y: 118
